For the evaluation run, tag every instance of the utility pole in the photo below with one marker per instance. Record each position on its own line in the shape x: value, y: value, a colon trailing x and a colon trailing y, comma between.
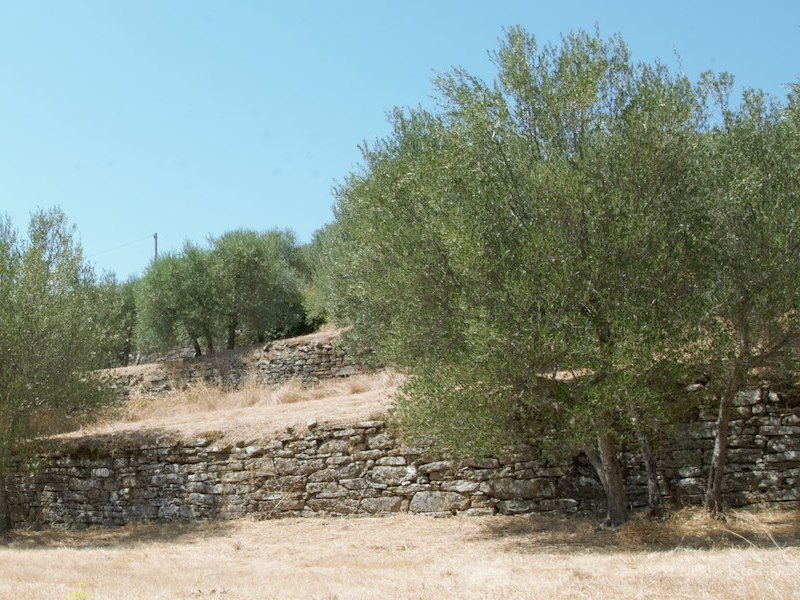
x: 155, y: 238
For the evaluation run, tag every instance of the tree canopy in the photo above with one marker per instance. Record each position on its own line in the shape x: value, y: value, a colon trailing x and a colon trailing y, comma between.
x: 540, y: 252
x: 244, y: 285
x: 48, y: 334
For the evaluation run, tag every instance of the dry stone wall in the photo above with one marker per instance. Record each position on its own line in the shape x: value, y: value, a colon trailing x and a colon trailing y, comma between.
x: 309, y: 359
x: 361, y: 469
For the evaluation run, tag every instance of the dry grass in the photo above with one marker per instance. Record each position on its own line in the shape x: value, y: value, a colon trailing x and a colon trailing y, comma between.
x: 254, y: 411
x: 413, y: 557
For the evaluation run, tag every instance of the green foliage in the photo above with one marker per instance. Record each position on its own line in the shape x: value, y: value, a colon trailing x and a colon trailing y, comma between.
x: 158, y: 305
x: 48, y: 331
x: 258, y: 283
x: 317, y: 284
x: 115, y: 310
x: 550, y: 253
x: 529, y: 252
x: 755, y: 212
x: 245, y: 285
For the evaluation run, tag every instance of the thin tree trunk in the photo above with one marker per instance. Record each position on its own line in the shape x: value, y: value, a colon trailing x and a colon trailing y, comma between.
x: 198, y: 351
x: 5, y: 522
x: 713, y: 502
x: 126, y: 354
x: 231, y: 336
x: 606, y: 463
x: 651, y: 468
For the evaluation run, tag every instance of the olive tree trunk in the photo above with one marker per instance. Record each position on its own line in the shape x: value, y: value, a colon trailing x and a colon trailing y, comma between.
x: 606, y: 463
x: 651, y: 469
x: 5, y: 522
x: 714, y: 503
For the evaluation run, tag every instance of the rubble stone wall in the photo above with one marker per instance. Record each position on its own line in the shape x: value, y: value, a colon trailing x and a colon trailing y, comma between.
x: 310, y: 362
x: 309, y: 359
x: 360, y: 469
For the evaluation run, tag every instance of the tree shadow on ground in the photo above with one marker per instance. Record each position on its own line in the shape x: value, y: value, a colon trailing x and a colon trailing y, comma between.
x: 689, y: 528
x: 114, y: 537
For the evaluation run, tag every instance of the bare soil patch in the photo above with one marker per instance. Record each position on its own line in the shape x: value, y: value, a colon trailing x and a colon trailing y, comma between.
x: 407, y: 556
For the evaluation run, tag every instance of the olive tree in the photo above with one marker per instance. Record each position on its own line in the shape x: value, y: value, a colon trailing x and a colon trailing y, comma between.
x: 178, y: 300
x: 754, y: 287
x: 258, y: 284
x: 48, y: 335
x: 244, y: 284
x: 527, y: 252
x: 115, y: 310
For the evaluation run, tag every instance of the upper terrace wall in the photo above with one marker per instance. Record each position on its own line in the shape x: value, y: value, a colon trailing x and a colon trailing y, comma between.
x: 310, y: 359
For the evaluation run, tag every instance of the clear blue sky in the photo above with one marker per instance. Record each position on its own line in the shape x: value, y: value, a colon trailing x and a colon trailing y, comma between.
x: 191, y: 118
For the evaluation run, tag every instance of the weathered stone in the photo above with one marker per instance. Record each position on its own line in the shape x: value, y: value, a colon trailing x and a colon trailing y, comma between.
x: 381, y: 504
x: 788, y: 456
x: 460, y: 486
x: 438, y: 502
x: 508, y: 488
x: 481, y: 463
x: 479, y: 512
x: 326, y: 490
x: 335, y: 447
x: 783, y: 444
x: 516, y: 507
x: 380, y: 441
x: 201, y: 499
x: 442, y: 466
x: 391, y: 475
x: 747, y: 398
x: 779, y: 430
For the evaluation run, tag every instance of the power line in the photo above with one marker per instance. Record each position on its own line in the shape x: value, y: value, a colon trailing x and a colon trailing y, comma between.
x: 119, y: 247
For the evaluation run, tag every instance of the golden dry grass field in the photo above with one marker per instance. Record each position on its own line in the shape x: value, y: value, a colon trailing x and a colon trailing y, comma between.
x: 754, y: 557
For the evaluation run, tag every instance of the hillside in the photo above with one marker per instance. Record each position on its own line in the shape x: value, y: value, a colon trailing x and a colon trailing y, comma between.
x: 230, y: 394
x: 252, y: 413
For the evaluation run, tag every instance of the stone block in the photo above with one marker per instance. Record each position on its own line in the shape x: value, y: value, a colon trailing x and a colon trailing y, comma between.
x: 393, y: 461
x: 391, y: 475
x: 441, y: 466
x: 479, y: 512
x: 438, y: 502
x: 380, y: 441
x: 460, y: 485
x: 381, y: 505
x: 516, y: 507
x: 779, y: 430
x: 480, y: 463
x: 201, y: 499
x: 784, y: 444
x: 507, y: 488
x: 747, y: 398
x: 335, y: 446
x: 329, y: 489
x: 790, y: 456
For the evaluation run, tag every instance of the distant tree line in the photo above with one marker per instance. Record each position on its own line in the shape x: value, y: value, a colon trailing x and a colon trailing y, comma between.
x: 242, y: 287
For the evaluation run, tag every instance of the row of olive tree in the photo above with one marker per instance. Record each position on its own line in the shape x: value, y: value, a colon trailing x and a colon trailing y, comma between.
x: 244, y: 286
x: 549, y: 254
x: 59, y: 323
